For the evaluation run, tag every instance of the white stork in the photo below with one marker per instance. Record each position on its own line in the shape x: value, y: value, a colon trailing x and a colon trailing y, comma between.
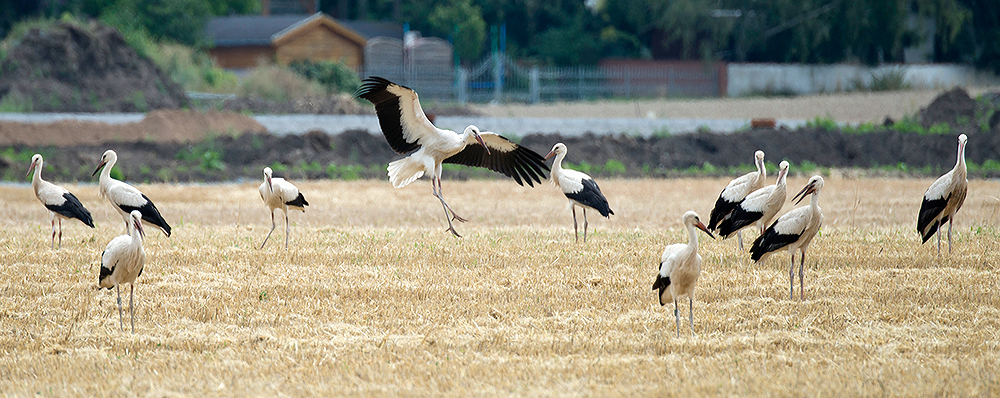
x: 280, y: 194
x: 758, y: 208
x: 126, y: 198
x: 579, y: 188
x: 794, y: 230
x: 122, y: 262
x: 408, y: 131
x: 680, y: 267
x: 943, y: 199
x: 60, y: 202
x: 735, y: 191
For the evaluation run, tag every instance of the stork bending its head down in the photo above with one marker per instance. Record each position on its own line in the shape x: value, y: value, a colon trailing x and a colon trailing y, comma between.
x: 280, y: 194
x: 122, y: 262
x: 126, y: 198
x: 793, y: 231
x: 60, y: 202
x: 579, y: 188
x: 758, y: 208
x: 408, y: 131
x: 680, y: 267
x: 735, y: 192
x: 943, y: 199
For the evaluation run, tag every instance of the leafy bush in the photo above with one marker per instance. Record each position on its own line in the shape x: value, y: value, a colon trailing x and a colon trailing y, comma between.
x: 335, y: 76
x: 194, y: 70
x: 275, y: 83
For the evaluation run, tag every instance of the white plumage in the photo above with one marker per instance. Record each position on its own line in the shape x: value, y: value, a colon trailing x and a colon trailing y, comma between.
x: 793, y: 231
x: 680, y: 267
x: 943, y: 199
x: 735, y: 192
x: 126, y: 198
x: 280, y: 194
x: 60, y: 202
x: 579, y: 188
x: 122, y: 262
x: 408, y: 131
x: 758, y: 208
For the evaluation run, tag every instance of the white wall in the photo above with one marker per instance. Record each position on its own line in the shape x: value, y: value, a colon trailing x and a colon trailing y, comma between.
x: 748, y: 79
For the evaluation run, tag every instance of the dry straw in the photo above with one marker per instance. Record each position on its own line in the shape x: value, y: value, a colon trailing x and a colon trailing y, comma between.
x: 374, y: 297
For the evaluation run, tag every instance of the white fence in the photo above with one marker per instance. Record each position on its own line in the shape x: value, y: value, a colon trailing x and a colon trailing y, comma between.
x: 752, y: 79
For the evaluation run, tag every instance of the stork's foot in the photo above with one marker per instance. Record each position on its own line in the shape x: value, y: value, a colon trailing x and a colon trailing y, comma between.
x: 453, y: 231
x: 457, y: 218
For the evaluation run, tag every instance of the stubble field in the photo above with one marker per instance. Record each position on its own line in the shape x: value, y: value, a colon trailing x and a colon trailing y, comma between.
x: 374, y: 298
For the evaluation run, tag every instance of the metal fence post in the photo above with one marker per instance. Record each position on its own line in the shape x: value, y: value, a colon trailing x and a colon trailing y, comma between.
x: 497, y: 82
x: 533, y: 89
x: 463, y: 86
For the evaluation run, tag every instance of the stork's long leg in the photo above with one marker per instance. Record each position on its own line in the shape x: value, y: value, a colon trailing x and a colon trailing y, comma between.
x: 269, y: 232
x: 576, y: 230
x: 131, y: 309
x: 791, y: 279
x: 448, y: 217
x: 677, y: 317
x: 121, y: 324
x: 691, y: 311
x: 950, y: 222
x: 802, y: 277
x: 739, y: 236
x: 285, y: 209
x: 53, y: 222
x: 60, y: 233
x: 939, y: 235
x: 440, y: 195
x: 584, y: 225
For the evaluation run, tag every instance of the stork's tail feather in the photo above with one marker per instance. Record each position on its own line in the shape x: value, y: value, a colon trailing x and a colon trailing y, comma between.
x: 931, y: 229
x: 660, y: 285
x: 404, y: 171
x: 298, y: 203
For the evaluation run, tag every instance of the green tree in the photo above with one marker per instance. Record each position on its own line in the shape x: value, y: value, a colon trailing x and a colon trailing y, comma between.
x: 463, y: 22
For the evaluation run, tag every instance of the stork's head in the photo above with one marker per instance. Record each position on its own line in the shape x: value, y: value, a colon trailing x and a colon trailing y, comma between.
x: 109, y: 157
x: 135, y: 219
x: 473, y: 131
x: 814, y: 185
x: 557, y: 149
x: 267, y: 178
x: 36, y: 161
x: 782, y: 169
x: 691, y: 219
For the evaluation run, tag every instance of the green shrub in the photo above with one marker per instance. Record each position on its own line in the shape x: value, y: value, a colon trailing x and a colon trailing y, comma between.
x: 335, y: 76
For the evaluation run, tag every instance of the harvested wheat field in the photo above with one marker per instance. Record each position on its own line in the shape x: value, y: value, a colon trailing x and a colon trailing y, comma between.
x: 374, y: 298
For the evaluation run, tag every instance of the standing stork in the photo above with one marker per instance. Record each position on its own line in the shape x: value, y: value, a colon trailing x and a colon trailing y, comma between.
x: 794, y: 230
x: 680, y: 267
x: 60, y: 202
x: 408, y: 131
x: 735, y: 192
x: 758, y: 208
x: 579, y: 188
x: 122, y: 262
x: 280, y: 194
x: 943, y: 199
x: 126, y: 198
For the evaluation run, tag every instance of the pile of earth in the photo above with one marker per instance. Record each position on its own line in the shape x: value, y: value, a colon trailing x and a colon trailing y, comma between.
x: 73, y: 68
x: 961, y: 112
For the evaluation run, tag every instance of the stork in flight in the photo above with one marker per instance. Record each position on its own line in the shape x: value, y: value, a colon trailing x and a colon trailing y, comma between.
x: 735, y: 192
x: 126, y: 198
x: 943, y: 199
x: 758, y: 208
x: 122, y: 262
x: 680, y: 266
x: 60, y: 202
x: 408, y: 131
x: 280, y: 194
x: 793, y: 231
x: 579, y: 188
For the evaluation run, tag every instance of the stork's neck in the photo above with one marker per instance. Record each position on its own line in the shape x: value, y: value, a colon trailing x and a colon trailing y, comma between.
x: 36, y: 177
x: 814, y: 201
x: 761, y: 170
x: 781, y: 178
x: 136, y: 243
x: 557, y: 163
x: 960, y: 162
x: 692, y: 238
x: 106, y: 171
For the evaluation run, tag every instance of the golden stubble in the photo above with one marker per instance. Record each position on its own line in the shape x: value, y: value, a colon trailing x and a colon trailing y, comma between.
x: 373, y: 297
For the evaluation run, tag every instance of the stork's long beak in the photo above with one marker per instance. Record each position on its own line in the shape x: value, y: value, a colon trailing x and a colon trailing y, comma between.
x: 483, y: 143
x: 703, y: 228
x: 99, y: 167
x: 808, y: 189
x: 30, y: 169
x: 138, y: 226
x: 269, y: 187
x: 550, y: 155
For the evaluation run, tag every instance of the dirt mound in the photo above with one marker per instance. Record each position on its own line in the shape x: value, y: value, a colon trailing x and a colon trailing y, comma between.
x: 948, y: 108
x: 73, y: 68
x: 157, y: 126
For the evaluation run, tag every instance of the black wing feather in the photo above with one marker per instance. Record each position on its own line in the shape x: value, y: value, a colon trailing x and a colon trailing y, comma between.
x: 740, y: 218
x: 150, y: 214
x: 770, y: 241
x: 592, y: 197
x: 660, y: 285
x: 521, y: 164
x: 72, y: 208
x: 375, y: 90
x: 299, y: 201
x: 930, y: 209
x: 722, y: 209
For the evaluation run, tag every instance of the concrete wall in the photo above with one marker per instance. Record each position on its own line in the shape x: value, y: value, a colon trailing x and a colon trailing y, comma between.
x: 750, y: 79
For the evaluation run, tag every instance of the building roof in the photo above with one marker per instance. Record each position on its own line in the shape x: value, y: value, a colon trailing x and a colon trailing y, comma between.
x: 243, y: 30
